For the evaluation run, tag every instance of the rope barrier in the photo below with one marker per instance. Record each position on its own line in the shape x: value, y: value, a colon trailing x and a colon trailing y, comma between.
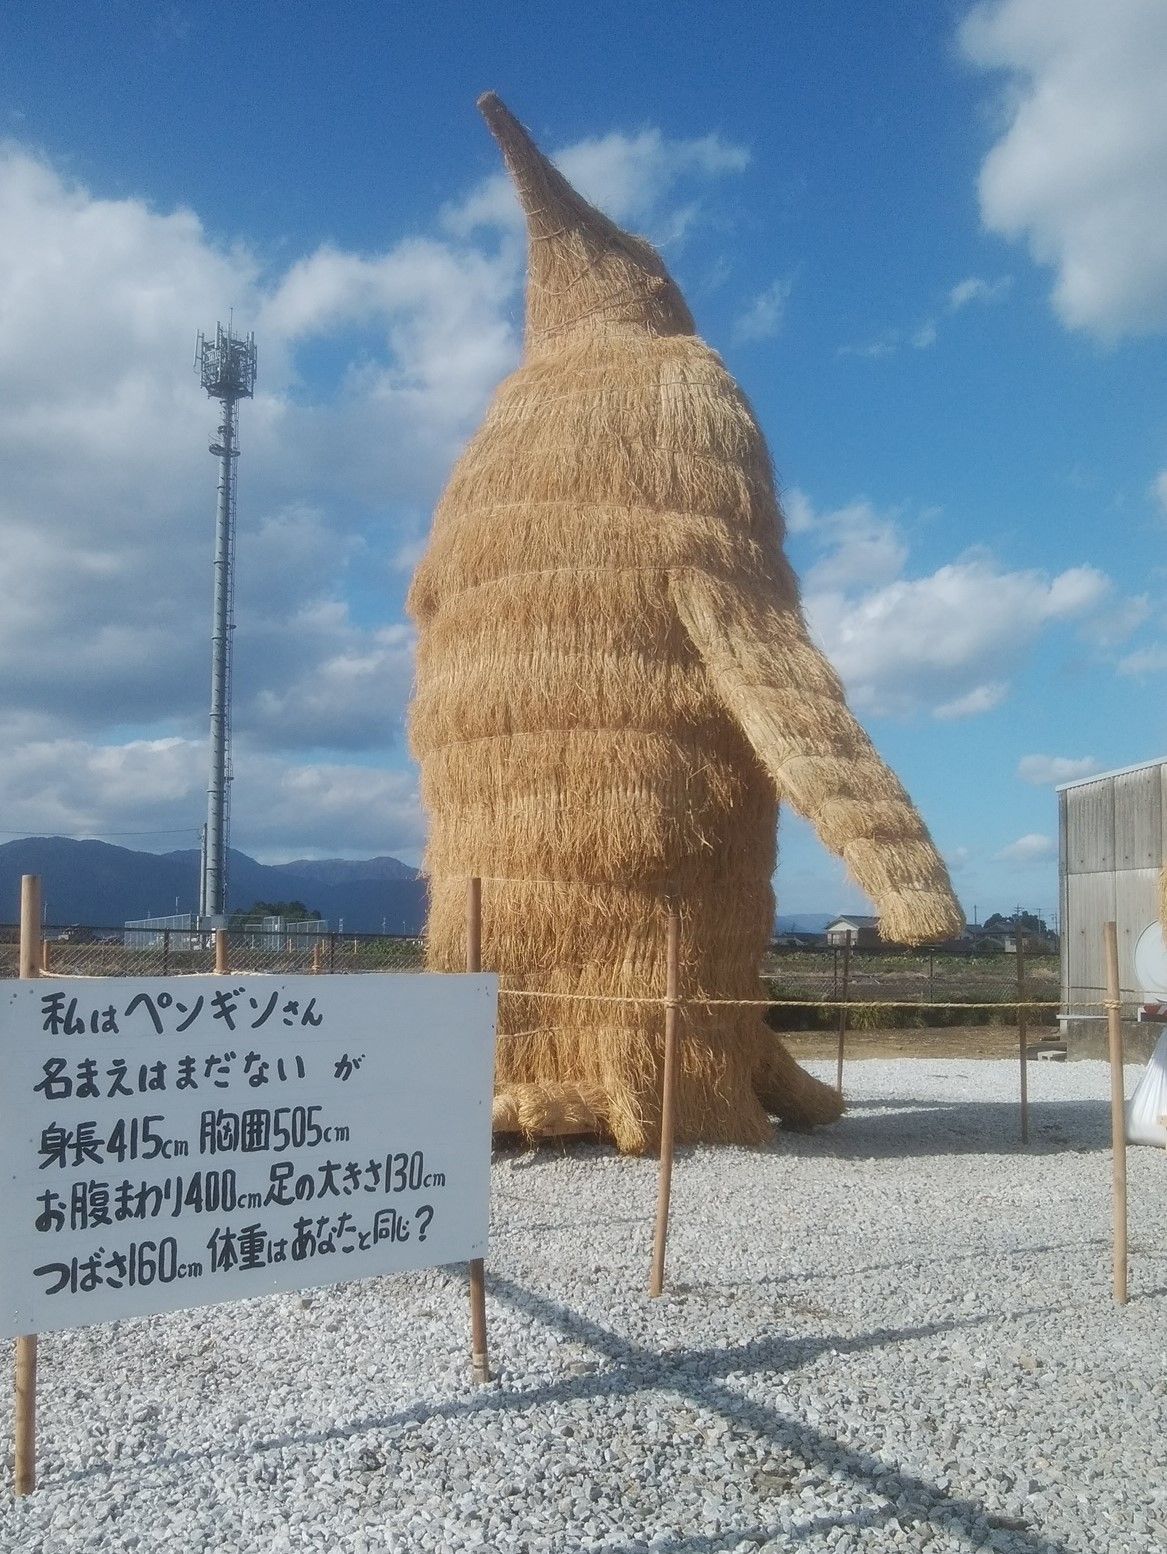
x: 797, y: 1003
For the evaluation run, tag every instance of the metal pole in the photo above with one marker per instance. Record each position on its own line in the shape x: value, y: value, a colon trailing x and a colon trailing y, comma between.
x: 668, y: 1100
x: 843, y: 1015
x: 215, y: 852
x: 1117, y: 1111
x: 479, y: 1356
x: 24, y: 1399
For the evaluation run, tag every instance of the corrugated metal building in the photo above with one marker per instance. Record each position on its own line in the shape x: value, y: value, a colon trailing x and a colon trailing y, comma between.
x: 1111, y: 831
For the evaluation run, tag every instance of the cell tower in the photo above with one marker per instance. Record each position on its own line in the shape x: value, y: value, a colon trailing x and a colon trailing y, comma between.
x: 227, y: 367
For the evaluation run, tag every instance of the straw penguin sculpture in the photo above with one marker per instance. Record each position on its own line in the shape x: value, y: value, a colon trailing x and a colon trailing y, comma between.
x: 615, y: 687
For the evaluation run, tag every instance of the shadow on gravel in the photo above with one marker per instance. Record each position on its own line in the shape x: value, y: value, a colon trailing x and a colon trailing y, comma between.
x: 697, y: 1376
x: 1015, y: 1257
x: 910, y: 1128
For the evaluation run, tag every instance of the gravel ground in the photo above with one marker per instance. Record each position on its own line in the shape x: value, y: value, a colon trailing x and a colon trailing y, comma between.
x: 893, y: 1334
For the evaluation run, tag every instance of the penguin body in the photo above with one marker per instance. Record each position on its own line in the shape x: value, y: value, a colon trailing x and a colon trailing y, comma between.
x: 614, y: 688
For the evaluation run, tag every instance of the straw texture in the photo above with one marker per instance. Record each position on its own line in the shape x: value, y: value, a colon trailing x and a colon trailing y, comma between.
x: 615, y: 687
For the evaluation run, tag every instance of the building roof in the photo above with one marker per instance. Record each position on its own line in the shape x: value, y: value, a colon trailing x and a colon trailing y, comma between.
x: 1119, y: 771
x: 854, y: 920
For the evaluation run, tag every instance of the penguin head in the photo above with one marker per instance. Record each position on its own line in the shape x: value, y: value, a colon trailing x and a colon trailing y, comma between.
x: 584, y: 273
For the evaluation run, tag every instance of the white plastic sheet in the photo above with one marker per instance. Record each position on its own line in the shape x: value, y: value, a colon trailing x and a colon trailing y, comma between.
x: 1147, y: 1108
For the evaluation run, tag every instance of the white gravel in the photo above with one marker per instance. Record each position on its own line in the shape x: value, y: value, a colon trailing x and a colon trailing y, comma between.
x: 896, y: 1333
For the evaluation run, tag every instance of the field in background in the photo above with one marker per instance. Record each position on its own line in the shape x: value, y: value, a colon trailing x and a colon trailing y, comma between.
x: 906, y: 990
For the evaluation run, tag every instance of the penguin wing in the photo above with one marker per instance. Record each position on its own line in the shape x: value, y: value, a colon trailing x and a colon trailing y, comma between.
x: 787, y: 700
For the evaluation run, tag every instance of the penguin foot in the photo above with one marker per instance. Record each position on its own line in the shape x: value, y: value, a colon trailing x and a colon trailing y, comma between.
x: 549, y: 1110
x: 789, y: 1093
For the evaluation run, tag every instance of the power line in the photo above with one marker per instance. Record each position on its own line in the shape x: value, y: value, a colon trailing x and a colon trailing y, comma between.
x: 100, y: 836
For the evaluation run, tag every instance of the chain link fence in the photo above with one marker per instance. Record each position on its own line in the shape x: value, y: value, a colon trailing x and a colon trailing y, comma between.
x: 887, y: 989
x: 105, y: 952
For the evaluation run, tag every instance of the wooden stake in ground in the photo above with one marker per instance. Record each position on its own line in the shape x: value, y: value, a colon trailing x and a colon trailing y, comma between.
x: 668, y: 1100
x: 1022, y: 1029
x: 24, y: 1420
x: 843, y: 1015
x: 222, y: 953
x: 478, y: 1352
x: 1117, y: 1110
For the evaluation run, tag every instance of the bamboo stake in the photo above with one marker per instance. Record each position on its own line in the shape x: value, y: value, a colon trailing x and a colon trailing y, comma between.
x: 24, y: 1400
x: 843, y: 1015
x: 479, y: 1355
x: 222, y: 953
x: 668, y: 1101
x: 1117, y: 1111
x: 1022, y: 1029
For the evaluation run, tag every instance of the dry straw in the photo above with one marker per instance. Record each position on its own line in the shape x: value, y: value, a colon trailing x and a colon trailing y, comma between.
x: 615, y: 687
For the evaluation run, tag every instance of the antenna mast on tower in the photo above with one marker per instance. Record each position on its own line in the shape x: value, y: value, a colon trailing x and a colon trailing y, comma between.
x: 227, y: 367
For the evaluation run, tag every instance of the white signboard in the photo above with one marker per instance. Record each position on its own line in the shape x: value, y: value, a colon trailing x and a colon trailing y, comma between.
x: 185, y: 1140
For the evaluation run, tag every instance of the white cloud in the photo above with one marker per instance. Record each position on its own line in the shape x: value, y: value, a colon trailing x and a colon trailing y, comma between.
x: 1151, y: 660
x: 373, y: 369
x: 1159, y: 490
x: 946, y: 642
x: 861, y: 548
x: 974, y: 288
x: 1031, y: 848
x: 886, y: 344
x: 1079, y: 171
x: 350, y: 699
x: 762, y: 319
x: 156, y: 788
x: 799, y: 513
x: 1044, y: 771
x: 982, y: 698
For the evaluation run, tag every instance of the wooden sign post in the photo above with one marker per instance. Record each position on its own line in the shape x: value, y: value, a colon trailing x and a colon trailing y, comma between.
x: 668, y: 1101
x: 478, y: 1352
x: 1117, y: 1110
x: 24, y: 1420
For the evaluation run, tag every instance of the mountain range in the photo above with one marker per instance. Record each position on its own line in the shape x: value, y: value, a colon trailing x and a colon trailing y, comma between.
x: 104, y: 886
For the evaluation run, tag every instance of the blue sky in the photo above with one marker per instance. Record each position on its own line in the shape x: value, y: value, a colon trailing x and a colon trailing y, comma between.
x: 929, y: 239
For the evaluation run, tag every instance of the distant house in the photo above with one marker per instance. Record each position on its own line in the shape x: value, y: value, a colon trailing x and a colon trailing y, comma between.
x: 1002, y: 939
x: 856, y: 929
